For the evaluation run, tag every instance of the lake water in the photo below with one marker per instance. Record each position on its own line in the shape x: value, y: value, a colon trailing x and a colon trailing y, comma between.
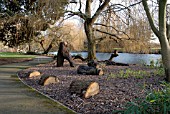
x: 123, y: 57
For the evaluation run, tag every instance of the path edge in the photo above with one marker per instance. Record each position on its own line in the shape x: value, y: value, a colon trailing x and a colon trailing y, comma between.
x: 44, y: 94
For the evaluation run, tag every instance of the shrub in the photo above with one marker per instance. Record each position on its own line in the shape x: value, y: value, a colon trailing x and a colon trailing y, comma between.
x: 156, y: 102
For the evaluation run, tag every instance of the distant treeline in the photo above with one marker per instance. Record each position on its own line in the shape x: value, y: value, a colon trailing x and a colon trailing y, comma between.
x: 121, y: 50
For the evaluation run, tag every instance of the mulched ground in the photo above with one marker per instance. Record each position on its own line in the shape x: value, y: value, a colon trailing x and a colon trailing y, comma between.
x: 114, y: 92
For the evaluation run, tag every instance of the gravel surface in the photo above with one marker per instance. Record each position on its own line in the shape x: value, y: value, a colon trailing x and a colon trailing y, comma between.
x: 114, y: 92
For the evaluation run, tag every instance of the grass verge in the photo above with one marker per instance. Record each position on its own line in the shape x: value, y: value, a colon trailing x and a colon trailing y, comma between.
x: 14, y: 55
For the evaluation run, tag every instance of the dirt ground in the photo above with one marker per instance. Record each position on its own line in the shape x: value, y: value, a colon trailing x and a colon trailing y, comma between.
x: 114, y: 92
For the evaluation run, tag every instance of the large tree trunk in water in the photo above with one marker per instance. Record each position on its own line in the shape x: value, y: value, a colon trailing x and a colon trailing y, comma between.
x: 91, y: 41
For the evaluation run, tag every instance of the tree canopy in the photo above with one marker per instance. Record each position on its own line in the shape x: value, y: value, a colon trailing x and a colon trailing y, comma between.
x: 21, y: 20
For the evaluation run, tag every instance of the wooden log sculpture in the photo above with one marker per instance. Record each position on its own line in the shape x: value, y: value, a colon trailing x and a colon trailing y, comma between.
x: 63, y: 53
x: 32, y: 74
x: 46, y: 80
x: 79, y: 57
x: 114, y: 54
x: 93, y: 63
x: 115, y: 63
x: 87, y: 70
x: 83, y: 88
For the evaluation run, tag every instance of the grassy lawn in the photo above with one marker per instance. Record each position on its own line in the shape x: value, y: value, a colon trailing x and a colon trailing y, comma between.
x: 14, y: 55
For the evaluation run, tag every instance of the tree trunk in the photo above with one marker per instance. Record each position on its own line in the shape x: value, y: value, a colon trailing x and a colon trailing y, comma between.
x: 87, y: 70
x: 29, y: 46
x: 91, y: 50
x: 83, y: 88
x: 48, y: 49
x: 167, y: 65
x: 165, y: 52
x: 91, y: 41
x: 33, y: 74
x: 88, y: 25
x: 41, y: 43
x: 168, y: 32
x: 161, y: 33
x: 48, y: 79
x: 165, y: 46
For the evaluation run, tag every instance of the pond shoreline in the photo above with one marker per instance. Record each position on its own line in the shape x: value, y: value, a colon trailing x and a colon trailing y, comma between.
x: 128, y: 58
x: 151, y: 51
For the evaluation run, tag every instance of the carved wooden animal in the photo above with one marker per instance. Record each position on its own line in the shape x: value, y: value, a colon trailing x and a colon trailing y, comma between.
x: 63, y: 53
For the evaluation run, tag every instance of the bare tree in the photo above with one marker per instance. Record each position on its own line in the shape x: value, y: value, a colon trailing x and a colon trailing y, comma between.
x: 89, y: 18
x: 92, y: 12
x: 161, y: 33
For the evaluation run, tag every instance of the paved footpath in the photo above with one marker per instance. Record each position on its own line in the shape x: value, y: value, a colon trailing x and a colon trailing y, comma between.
x: 17, y: 98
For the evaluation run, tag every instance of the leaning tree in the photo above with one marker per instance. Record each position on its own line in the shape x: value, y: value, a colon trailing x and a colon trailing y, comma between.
x: 162, y: 32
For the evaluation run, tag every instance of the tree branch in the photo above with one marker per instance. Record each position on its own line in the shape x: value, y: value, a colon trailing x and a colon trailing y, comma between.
x: 146, y: 8
x: 88, y: 8
x: 112, y: 28
x: 80, y: 6
x: 120, y: 7
x: 99, y: 10
x: 80, y: 14
x: 113, y: 35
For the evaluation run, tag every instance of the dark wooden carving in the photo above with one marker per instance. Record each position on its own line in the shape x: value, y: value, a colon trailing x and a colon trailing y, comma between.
x: 63, y: 53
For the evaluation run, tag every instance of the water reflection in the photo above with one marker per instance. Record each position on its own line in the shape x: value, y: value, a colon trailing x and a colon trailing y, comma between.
x: 124, y: 57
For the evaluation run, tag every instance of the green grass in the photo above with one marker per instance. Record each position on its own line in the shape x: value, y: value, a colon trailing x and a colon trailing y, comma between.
x: 129, y: 73
x: 14, y: 55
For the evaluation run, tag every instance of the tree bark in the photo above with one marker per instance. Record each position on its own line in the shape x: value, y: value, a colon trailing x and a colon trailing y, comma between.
x: 91, y: 41
x: 165, y: 46
x: 88, y: 25
x: 165, y: 52
x: 168, y: 32
x: 162, y: 34
x: 47, y: 79
x: 63, y: 53
x: 78, y: 57
x: 83, y: 88
x: 48, y: 49
x: 87, y: 70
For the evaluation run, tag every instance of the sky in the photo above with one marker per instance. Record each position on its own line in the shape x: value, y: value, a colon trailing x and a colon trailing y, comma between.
x: 75, y: 7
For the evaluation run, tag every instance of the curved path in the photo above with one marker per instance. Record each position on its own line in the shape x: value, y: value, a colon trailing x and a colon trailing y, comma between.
x: 16, y: 98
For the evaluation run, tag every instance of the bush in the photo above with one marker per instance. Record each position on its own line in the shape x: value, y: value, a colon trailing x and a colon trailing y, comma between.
x: 156, y: 102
